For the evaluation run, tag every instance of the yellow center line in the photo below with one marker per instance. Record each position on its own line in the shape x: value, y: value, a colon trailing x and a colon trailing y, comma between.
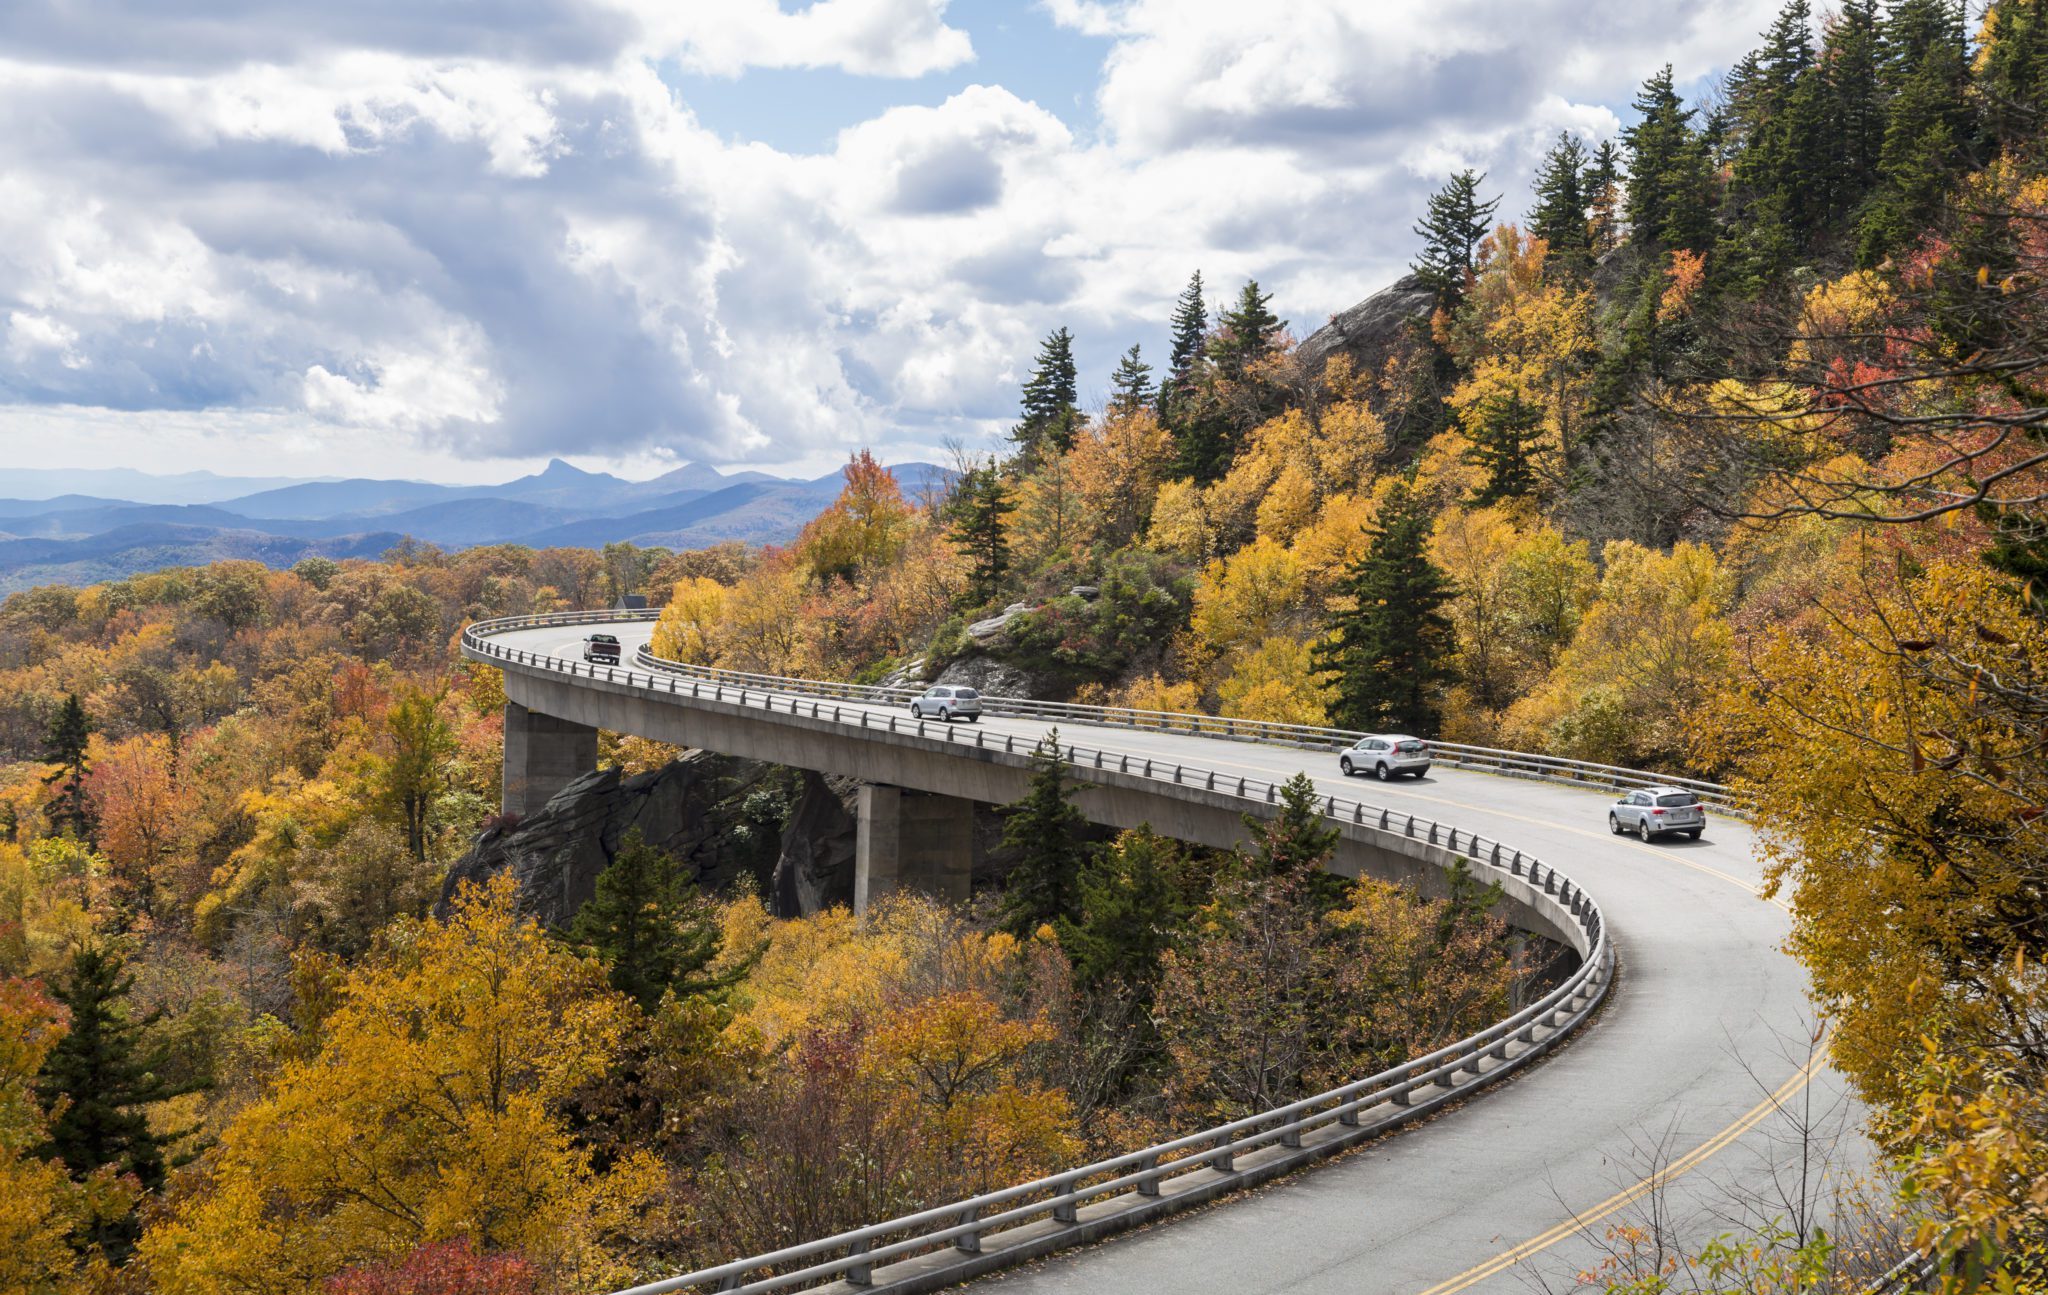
x: 1627, y: 1196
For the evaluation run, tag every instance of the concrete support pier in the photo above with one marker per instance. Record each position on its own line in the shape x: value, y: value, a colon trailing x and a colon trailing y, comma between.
x: 911, y: 840
x: 543, y: 754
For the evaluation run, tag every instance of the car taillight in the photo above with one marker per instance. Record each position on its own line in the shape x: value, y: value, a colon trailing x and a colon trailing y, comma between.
x: 1658, y: 812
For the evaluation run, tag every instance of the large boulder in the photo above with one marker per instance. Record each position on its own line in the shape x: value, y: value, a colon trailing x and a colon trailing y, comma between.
x: 815, y: 869
x: 992, y: 678
x: 688, y: 808
x: 1370, y: 331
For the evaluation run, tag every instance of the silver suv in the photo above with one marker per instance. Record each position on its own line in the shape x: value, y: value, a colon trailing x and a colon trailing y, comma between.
x: 948, y: 702
x: 1385, y: 755
x: 1654, y: 811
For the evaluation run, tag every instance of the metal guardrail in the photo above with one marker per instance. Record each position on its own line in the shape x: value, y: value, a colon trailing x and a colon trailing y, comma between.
x: 1029, y: 1219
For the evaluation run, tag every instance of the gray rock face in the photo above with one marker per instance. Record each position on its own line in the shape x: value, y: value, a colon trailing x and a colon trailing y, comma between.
x: 990, y: 677
x: 995, y: 625
x: 685, y: 808
x: 815, y: 869
x: 1369, y: 331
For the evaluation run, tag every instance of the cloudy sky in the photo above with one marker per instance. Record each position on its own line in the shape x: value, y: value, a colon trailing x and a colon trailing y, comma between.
x: 452, y: 238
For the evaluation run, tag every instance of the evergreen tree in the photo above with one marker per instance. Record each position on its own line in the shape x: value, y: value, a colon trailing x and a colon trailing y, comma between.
x: 98, y: 1082
x: 1503, y: 446
x: 1297, y: 840
x: 979, y: 508
x: 1190, y: 335
x: 1391, y: 652
x: 1130, y: 907
x: 1850, y: 59
x: 64, y: 745
x: 1043, y: 832
x: 1603, y: 191
x: 2012, y: 82
x: 649, y: 926
x: 1778, y: 199
x: 1925, y: 76
x: 1451, y: 228
x: 1130, y: 387
x: 1670, y: 170
x: 1051, y: 400
x: 1560, y: 215
x: 1246, y: 333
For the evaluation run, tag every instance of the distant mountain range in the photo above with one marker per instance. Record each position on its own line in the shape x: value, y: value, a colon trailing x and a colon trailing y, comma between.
x: 79, y: 526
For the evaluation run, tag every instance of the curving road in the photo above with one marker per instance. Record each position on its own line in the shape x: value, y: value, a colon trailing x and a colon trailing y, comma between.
x: 1706, y: 1031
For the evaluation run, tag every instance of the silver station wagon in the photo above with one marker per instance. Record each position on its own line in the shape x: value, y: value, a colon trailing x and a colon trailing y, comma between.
x: 1654, y: 811
x: 948, y: 702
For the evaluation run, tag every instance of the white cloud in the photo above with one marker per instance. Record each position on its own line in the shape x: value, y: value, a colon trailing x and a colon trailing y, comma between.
x: 896, y: 38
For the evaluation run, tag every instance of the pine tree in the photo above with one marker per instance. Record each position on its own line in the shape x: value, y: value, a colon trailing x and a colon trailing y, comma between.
x: 1391, y: 652
x: 1925, y: 75
x: 648, y: 925
x: 64, y: 745
x: 1190, y: 335
x: 1850, y: 60
x: 1245, y: 334
x: 1560, y: 215
x: 1051, y: 400
x: 980, y: 508
x: 1130, y: 387
x: 1044, y: 835
x: 1503, y: 446
x: 1297, y: 840
x: 1779, y: 194
x: 98, y: 1082
x: 1451, y: 228
x: 1670, y: 170
x: 2012, y: 82
x: 1130, y: 907
x: 1604, y: 198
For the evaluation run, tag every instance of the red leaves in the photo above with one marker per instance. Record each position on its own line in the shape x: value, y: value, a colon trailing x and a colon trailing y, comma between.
x: 443, y: 1268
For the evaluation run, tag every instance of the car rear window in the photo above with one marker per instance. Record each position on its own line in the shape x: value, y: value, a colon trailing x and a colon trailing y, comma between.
x: 602, y: 638
x: 1407, y: 746
x: 1678, y: 798
x: 967, y: 694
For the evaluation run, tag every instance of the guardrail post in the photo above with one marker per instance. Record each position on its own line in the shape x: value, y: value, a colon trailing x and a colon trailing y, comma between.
x: 1348, y: 1117
x: 1063, y: 1208
x: 1399, y: 1096
x: 860, y: 1274
x: 1149, y: 1185
x: 1148, y: 768
x: 1384, y: 815
x: 968, y: 1243
x: 1223, y: 1159
x: 1291, y: 1135
x: 1212, y: 780
x: 1410, y: 830
x: 1432, y: 833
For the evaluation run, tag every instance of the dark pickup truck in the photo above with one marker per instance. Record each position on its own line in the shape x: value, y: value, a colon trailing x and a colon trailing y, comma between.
x: 601, y: 648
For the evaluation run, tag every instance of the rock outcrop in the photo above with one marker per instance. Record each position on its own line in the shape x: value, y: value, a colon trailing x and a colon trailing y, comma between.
x: 1371, y: 330
x: 689, y: 807
x: 815, y: 869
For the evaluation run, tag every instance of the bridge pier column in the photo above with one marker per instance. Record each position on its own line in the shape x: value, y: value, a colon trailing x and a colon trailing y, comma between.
x: 543, y: 754
x: 912, y: 841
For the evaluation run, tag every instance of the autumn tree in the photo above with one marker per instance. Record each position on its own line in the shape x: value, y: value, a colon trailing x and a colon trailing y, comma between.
x: 427, y: 1110
x: 691, y: 623
x: 64, y: 747
x: 1115, y: 470
x: 865, y: 528
x: 415, y: 773
x: 1044, y: 834
x: 42, y: 1211
x: 100, y: 1080
x: 1391, y: 649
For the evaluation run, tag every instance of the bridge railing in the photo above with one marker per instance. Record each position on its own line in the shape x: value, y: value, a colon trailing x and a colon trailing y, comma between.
x: 960, y: 1238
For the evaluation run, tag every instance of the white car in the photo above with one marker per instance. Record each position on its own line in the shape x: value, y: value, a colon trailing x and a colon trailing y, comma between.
x: 1386, y: 755
x: 1653, y: 811
x: 948, y: 702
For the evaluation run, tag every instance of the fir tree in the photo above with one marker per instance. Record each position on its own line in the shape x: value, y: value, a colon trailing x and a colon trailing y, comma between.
x: 1925, y: 75
x: 1297, y: 840
x: 1044, y: 835
x: 1190, y: 335
x: 1051, y: 400
x: 1451, y: 228
x: 1246, y: 333
x: 1779, y: 194
x: 649, y: 926
x: 1130, y: 907
x: 1560, y: 215
x: 1503, y: 445
x: 1604, y: 198
x: 1850, y: 61
x: 98, y: 1082
x: 64, y: 745
x: 2012, y: 82
x: 1670, y: 170
x: 979, y: 509
x: 1130, y: 387
x: 1391, y: 652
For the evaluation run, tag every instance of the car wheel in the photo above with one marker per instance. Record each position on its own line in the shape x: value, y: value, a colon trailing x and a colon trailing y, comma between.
x: 1695, y: 833
x: 916, y: 711
x: 1345, y: 765
x: 1614, y: 825
x: 974, y: 719
x: 1643, y: 828
x: 1380, y: 771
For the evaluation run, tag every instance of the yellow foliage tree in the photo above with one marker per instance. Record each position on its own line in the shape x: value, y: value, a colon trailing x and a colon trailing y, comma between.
x: 690, y: 624
x: 1276, y: 682
x: 1115, y: 468
x: 1248, y: 597
x: 430, y: 1111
